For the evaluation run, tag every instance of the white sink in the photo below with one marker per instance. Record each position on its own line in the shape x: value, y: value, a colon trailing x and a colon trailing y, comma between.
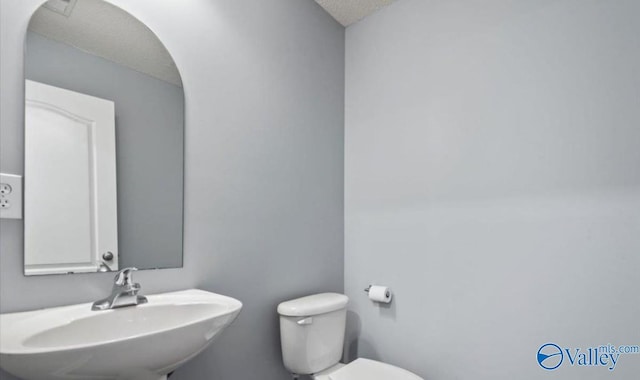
x: 138, y: 342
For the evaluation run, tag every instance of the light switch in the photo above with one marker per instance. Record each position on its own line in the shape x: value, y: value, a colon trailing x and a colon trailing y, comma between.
x: 10, y: 196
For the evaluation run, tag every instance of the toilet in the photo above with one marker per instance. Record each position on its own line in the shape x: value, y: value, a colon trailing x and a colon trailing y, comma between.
x: 312, y: 336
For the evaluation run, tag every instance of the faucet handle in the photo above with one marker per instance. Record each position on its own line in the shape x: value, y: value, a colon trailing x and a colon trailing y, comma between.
x: 124, y: 277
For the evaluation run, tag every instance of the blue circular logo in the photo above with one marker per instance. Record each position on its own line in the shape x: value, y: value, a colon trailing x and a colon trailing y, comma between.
x: 550, y: 356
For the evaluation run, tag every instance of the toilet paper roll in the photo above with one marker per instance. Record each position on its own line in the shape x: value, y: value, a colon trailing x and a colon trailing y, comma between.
x: 380, y: 294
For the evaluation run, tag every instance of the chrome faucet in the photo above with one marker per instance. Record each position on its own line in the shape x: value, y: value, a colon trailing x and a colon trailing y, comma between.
x: 124, y: 292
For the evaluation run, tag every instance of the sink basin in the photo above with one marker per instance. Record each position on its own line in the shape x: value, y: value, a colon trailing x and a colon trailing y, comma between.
x: 139, y: 342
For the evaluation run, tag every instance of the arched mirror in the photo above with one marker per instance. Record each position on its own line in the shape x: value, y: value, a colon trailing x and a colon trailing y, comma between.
x: 104, y: 142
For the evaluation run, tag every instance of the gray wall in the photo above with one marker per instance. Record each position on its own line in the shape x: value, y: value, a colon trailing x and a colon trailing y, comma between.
x: 149, y: 146
x: 264, y: 88
x: 492, y: 155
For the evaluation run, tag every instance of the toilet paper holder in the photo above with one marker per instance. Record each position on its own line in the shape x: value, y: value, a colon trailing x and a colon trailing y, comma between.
x: 369, y: 288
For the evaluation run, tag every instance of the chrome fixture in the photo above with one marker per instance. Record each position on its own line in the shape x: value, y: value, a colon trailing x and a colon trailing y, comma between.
x: 104, y: 265
x: 107, y: 256
x: 124, y: 292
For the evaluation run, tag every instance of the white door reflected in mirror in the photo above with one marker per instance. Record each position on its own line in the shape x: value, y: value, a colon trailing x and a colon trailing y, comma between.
x: 70, y: 181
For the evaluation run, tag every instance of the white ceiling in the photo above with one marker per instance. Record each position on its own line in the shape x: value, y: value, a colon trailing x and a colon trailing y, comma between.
x: 104, y: 30
x: 348, y: 12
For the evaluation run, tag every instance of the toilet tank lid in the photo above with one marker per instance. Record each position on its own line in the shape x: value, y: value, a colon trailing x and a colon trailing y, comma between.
x: 313, y: 305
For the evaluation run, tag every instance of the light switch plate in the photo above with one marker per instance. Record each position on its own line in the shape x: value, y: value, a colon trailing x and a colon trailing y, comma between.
x: 10, y: 196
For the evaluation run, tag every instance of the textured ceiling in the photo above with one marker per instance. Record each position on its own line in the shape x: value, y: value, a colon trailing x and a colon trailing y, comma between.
x: 107, y: 31
x: 348, y: 12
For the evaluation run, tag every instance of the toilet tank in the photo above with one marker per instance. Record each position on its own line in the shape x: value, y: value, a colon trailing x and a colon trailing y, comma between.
x: 312, y: 332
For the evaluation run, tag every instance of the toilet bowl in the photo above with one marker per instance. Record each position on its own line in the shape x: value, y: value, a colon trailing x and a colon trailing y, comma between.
x: 312, y: 336
x: 365, y: 369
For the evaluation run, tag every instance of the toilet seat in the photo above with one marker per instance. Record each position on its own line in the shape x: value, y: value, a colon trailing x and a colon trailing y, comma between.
x: 366, y: 369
